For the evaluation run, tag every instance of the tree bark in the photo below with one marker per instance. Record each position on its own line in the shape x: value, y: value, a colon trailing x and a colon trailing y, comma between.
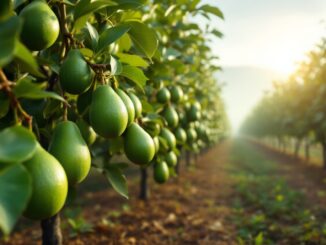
x: 297, y: 148
x: 196, y: 156
x: 284, y: 145
x: 187, y: 158
x: 324, y: 154
x: 177, y: 168
x: 51, y: 231
x: 144, y: 191
x: 307, y: 150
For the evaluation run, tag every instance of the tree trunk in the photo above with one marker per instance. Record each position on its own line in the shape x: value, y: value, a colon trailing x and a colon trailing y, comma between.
x: 144, y: 191
x: 279, y: 141
x: 324, y: 154
x: 187, y: 158
x: 297, y: 148
x: 307, y: 150
x: 284, y: 145
x: 177, y: 168
x: 51, y: 231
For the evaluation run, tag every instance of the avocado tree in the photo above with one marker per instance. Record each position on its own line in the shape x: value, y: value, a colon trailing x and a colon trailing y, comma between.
x: 295, y: 108
x: 82, y: 81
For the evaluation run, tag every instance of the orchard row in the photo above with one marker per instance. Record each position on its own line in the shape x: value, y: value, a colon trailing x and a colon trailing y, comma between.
x: 296, y: 108
x: 82, y: 82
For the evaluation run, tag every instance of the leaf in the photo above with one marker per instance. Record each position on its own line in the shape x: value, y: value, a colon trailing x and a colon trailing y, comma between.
x: 116, y: 66
x: 26, y: 59
x: 147, y: 107
x: 117, y: 180
x: 111, y: 35
x: 9, y: 33
x: 169, y: 10
x: 15, y: 192
x: 93, y: 35
x: 86, y: 52
x: 124, y: 43
x: 134, y: 74
x: 67, y: 2
x: 17, y: 3
x: 128, y: 4
x: 143, y: 38
x: 25, y: 88
x: 85, y: 7
x: 259, y: 239
x: 163, y: 143
x: 171, y: 53
x: 133, y: 60
x: 212, y: 10
x: 17, y: 144
x: 217, y: 33
x: 51, y: 108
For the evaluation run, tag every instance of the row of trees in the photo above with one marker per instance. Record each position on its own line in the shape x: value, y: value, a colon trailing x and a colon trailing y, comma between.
x: 82, y: 82
x: 296, y: 108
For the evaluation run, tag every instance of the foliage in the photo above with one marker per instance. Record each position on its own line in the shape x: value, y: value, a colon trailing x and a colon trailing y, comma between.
x: 296, y: 107
x: 137, y: 46
x: 266, y: 207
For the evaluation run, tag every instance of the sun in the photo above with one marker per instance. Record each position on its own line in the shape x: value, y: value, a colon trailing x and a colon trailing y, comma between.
x: 282, y: 59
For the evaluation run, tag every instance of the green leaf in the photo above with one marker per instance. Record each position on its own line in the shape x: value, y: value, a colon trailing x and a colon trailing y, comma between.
x: 217, y: 33
x: 147, y: 107
x: 111, y: 35
x: 9, y: 33
x: 25, y: 88
x: 86, y: 52
x: 124, y: 43
x: 4, y: 104
x: 133, y: 60
x: 93, y: 35
x: 117, y: 180
x: 212, y: 10
x: 51, y: 108
x: 116, y: 67
x: 17, y: 3
x: 259, y: 239
x: 143, y: 38
x: 85, y: 7
x: 15, y: 192
x: 171, y: 53
x: 128, y: 4
x: 67, y: 2
x: 26, y: 59
x: 170, y: 10
x: 17, y: 144
x: 134, y: 74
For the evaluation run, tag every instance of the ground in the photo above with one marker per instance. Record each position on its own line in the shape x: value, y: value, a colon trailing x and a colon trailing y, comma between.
x: 238, y: 192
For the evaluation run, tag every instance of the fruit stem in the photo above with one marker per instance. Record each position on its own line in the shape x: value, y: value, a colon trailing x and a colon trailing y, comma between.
x: 97, y: 67
x: 64, y: 30
x: 115, y: 83
x: 6, y: 86
x: 65, y: 111
x: 51, y: 231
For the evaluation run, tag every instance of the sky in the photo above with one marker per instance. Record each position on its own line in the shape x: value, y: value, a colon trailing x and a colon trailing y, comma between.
x: 270, y: 35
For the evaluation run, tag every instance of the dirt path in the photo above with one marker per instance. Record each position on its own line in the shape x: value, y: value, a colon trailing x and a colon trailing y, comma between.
x: 193, y: 209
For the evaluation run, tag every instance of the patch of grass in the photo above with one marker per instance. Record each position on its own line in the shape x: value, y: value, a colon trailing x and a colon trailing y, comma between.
x: 266, y: 209
x: 76, y: 222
